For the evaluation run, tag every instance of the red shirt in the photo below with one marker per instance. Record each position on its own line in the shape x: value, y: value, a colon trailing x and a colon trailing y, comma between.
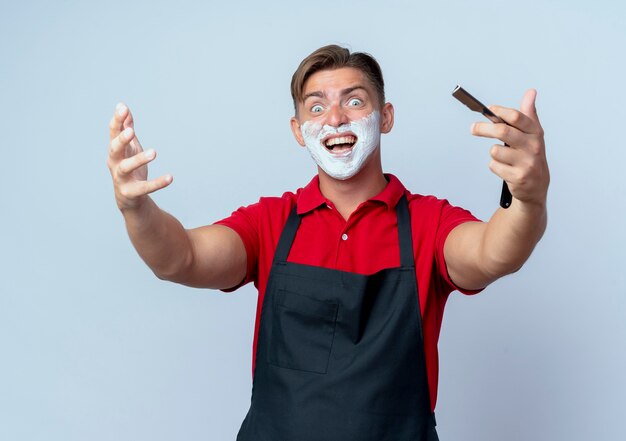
x: 366, y: 243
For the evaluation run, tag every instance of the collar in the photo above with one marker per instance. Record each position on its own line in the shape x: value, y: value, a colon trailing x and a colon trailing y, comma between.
x: 311, y: 197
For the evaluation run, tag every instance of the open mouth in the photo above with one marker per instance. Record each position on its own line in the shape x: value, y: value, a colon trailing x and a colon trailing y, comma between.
x: 339, y: 144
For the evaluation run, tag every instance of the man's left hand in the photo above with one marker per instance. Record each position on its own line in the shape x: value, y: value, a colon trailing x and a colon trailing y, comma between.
x: 523, y: 164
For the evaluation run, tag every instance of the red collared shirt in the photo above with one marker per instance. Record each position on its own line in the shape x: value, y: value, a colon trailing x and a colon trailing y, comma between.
x: 366, y: 243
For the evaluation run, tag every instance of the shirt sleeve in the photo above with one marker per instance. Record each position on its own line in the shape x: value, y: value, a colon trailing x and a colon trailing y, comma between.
x: 245, y: 222
x: 451, y: 217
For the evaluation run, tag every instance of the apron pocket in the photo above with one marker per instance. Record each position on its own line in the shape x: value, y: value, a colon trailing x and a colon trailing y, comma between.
x: 303, y: 330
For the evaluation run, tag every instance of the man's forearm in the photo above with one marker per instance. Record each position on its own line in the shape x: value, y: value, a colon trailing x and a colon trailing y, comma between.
x: 159, y: 238
x: 511, y: 235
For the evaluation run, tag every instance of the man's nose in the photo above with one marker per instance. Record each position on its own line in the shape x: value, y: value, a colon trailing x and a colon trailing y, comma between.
x: 337, y: 116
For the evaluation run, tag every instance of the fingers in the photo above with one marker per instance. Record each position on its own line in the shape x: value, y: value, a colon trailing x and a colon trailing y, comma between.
x: 135, y: 145
x: 128, y: 121
x: 512, y: 136
x: 506, y: 162
x: 525, y: 119
x: 527, y: 175
x: 129, y: 165
x: 130, y: 180
x: 516, y: 119
x: 527, y: 107
x: 123, y: 119
x: 504, y: 171
x: 117, y: 147
x: 116, y: 122
x: 132, y: 191
x: 519, y: 159
x: 506, y: 155
x: 507, y: 134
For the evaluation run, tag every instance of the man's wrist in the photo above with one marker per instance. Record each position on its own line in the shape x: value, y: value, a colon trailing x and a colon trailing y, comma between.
x: 532, y: 208
x: 139, y: 216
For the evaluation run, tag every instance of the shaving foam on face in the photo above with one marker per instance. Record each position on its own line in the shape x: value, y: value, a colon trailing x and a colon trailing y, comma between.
x: 346, y: 164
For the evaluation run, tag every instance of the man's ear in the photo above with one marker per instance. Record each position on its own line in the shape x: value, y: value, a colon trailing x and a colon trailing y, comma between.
x: 297, y: 132
x: 386, y: 118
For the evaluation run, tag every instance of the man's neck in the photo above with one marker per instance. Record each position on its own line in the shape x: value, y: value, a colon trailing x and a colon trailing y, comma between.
x: 349, y: 194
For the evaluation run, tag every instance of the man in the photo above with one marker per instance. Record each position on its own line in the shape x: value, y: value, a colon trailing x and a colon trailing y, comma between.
x: 353, y: 271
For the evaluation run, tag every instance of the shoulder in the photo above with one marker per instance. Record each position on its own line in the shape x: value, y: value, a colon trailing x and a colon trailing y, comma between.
x: 427, y: 205
x: 270, y: 213
x: 431, y: 211
x: 268, y: 208
x: 426, y: 202
x: 276, y: 209
x: 417, y: 202
x: 280, y: 203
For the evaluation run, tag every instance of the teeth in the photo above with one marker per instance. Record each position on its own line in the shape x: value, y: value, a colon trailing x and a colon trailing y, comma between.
x: 342, y: 140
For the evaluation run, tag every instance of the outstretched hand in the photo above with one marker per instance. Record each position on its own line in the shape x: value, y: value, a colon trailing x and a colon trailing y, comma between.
x: 523, y: 165
x: 127, y: 162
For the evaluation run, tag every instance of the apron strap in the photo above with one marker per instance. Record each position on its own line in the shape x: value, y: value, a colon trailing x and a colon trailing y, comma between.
x: 287, y: 236
x: 404, y: 233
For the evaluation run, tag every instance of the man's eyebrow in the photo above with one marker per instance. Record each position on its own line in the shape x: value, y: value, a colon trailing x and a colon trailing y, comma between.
x: 316, y: 93
x: 344, y: 92
x: 349, y: 90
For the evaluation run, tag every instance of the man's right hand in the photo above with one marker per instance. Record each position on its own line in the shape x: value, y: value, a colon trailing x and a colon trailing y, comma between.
x: 128, y: 161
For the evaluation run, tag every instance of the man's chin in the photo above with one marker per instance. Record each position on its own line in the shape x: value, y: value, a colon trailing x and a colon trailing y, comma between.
x: 347, y: 178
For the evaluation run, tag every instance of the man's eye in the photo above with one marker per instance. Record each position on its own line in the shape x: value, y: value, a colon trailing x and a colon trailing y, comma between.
x: 355, y: 102
x: 316, y: 108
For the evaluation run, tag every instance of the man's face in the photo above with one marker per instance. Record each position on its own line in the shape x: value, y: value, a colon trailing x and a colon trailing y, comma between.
x: 340, y: 120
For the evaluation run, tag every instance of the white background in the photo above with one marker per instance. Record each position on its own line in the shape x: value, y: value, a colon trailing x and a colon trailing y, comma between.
x: 93, y: 346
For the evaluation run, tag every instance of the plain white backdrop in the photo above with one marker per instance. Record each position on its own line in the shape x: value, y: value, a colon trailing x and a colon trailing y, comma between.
x: 93, y: 346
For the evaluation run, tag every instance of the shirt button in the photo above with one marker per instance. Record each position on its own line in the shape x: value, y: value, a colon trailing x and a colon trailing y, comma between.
x: 344, y: 236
